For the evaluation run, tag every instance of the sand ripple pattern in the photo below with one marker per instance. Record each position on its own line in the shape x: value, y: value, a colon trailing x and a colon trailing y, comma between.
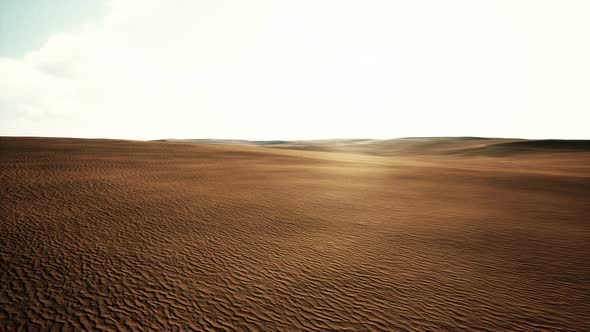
x: 117, y: 235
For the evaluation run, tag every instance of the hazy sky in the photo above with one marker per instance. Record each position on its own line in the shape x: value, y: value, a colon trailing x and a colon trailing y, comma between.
x: 147, y: 69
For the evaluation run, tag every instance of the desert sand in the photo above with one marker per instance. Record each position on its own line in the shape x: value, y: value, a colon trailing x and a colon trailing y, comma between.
x: 457, y: 234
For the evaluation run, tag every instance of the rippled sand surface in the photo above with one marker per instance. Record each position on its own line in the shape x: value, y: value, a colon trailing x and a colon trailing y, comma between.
x: 123, y: 235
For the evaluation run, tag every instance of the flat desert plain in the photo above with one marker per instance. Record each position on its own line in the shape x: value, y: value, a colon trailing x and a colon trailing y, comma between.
x: 417, y: 234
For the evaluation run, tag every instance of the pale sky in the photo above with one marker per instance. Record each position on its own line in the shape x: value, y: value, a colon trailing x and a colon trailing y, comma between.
x: 149, y: 69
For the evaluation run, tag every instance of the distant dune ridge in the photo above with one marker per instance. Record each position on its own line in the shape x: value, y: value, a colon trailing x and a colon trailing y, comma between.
x: 418, y: 145
x: 413, y: 234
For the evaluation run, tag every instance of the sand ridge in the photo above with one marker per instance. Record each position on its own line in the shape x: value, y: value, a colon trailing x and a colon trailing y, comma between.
x: 125, y: 235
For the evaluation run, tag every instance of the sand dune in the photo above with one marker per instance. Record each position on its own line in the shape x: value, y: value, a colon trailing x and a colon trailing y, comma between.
x: 399, y: 235
x: 442, y: 146
x: 429, y: 146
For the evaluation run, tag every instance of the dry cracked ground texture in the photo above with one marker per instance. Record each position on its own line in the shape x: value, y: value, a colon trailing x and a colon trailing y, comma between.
x: 121, y: 235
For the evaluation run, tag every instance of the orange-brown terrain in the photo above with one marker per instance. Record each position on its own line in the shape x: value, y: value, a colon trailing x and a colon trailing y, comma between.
x: 399, y: 235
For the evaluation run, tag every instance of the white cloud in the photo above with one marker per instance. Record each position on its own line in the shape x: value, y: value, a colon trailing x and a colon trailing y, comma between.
x: 308, y: 69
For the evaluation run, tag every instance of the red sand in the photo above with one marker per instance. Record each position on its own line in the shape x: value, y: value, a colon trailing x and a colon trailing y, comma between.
x: 122, y: 235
